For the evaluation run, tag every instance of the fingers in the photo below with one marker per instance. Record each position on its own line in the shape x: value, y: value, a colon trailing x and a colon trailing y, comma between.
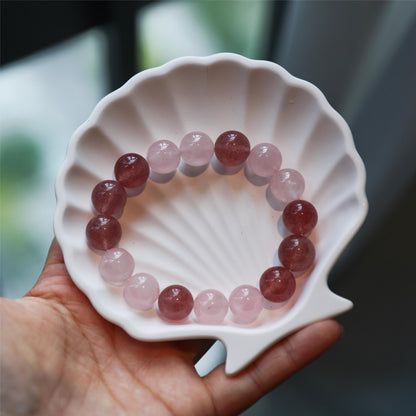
x: 54, y: 255
x: 194, y: 348
x: 54, y: 265
x: 232, y: 394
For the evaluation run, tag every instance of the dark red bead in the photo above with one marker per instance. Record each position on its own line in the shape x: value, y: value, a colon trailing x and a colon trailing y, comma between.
x: 103, y: 232
x: 109, y: 197
x: 232, y: 148
x: 297, y: 253
x: 175, y: 303
x: 131, y: 170
x: 300, y: 217
x: 277, y: 284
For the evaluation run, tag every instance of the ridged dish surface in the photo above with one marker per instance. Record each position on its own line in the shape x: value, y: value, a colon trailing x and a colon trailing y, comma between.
x: 213, y: 230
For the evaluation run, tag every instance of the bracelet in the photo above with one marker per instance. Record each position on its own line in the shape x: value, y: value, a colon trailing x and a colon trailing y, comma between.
x: 175, y: 303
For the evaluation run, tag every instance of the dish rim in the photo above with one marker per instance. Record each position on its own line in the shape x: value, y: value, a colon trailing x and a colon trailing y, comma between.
x: 194, y: 330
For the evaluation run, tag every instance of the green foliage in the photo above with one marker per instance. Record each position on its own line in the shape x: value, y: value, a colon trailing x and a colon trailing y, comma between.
x: 238, y: 24
x: 20, y: 160
x: 233, y: 26
x: 20, y: 164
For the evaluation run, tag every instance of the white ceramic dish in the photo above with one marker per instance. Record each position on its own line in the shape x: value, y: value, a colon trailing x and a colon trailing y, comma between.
x: 212, y: 230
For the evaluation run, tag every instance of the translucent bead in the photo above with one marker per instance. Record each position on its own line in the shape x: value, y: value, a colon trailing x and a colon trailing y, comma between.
x: 175, y: 303
x: 163, y: 156
x: 297, y: 253
x: 277, y: 284
x: 246, y: 303
x: 287, y: 185
x: 196, y: 148
x: 300, y: 217
x: 103, y: 232
x: 141, y: 291
x: 109, y: 197
x: 232, y: 148
x: 116, y: 266
x: 210, y: 307
x: 131, y: 170
x: 264, y: 159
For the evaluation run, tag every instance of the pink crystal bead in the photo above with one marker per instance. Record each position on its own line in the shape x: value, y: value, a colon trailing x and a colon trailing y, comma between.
x: 300, y: 217
x: 196, y: 148
x: 264, y: 159
x: 109, y: 197
x: 287, y: 185
x: 246, y: 303
x: 277, y: 284
x: 163, y: 156
x: 232, y: 148
x: 210, y: 307
x: 116, y: 266
x: 141, y: 291
x: 131, y: 170
x: 103, y: 232
x: 175, y: 303
x: 297, y: 253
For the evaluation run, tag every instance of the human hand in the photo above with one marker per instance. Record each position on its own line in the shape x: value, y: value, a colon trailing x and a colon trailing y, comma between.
x: 59, y: 357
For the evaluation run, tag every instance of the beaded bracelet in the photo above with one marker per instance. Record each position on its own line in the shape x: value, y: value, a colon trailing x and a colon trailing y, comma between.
x: 175, y: 303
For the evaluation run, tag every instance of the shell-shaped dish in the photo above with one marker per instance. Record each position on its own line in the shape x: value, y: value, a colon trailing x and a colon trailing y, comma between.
x: 213, y: 230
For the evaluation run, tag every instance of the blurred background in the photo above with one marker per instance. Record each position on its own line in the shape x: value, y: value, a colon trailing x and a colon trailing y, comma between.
x: 58, y: 59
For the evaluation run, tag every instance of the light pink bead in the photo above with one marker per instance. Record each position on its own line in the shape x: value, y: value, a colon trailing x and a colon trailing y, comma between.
x: 210, y: 307
x: 264, y: 159
x: 141, y: 291
x: 246, y: 303
x: 196, y: 148
x: 287, y: 185
x: 163, y: 156
x: 116, y: 266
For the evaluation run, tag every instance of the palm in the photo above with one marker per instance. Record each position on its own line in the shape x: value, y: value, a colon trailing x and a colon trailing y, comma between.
x: 90, y: 366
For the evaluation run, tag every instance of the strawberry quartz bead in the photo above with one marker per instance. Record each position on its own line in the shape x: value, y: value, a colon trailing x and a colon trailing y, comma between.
x: 163, y: 156
x: 175, y: 303
x: 131, y: 170
x: 287, y: 185
x: 210, y: 307
x: 297, y: 253
x: 264, y: 159
x: 196, y: 148
x: 232, y: 148
x: 109, y: 197
x: 116, y: 266
x: 103, y: 232
x: 277, y: 284
x: 300, y: 217
x: 141, y: 291
x: 246, y: 303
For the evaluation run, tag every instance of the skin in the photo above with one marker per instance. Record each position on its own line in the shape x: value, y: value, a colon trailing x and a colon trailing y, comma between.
x: 59, y: 357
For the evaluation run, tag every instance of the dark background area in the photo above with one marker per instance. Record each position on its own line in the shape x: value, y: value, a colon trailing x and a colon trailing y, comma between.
x: 372, y: 369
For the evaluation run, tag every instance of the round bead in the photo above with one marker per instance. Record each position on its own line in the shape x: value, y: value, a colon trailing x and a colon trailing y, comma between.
x: 277, y: 284
x: 287, y: 185
x: 264, y: 159
x: 300, y: 217
x: 297, y: 253
x: 246, y: 303
x: 196, y: 148
x: 116, y: 266
x: 103, y: 232
x: 232, y: 148
x: 210, y: 307
x: 163, y: 156
x: 109, y: 197
x: 131, y: 170
x: 141, y: 291
x: 175, y: 303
